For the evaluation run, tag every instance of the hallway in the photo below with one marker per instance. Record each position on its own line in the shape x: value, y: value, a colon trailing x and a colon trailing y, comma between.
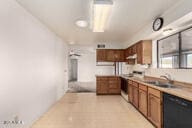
x: 86, y: 110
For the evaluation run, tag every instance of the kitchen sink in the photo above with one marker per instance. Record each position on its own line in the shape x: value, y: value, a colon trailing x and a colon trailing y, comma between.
x: 160, y: 84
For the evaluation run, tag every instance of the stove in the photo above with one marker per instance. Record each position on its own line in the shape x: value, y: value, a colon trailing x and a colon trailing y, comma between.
x: 124, y: 82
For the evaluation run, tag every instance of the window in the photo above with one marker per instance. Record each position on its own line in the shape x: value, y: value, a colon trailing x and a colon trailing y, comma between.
x: 186, y: 48
x: 175, y: 51
x: 168, y: 52
x: 167, y: 62
x: 189, y: 61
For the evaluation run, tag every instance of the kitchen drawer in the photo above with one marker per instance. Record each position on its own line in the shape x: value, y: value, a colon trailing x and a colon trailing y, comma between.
x: 102, y: 78
x: 154, y: 92
x: 135, y: 84
x: 114, y: 85
x: 113, y: 78
x: 114, y: 81
x: 129, y: 81
x: 143, y: 87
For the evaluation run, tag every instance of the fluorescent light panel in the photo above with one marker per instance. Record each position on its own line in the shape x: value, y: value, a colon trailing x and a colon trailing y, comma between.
x: 102, y: 9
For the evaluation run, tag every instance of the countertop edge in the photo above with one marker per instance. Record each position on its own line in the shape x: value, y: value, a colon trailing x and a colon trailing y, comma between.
x: 178, y: 91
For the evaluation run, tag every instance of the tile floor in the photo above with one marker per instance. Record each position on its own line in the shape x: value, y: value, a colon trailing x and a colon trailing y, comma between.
x: 86, y: 110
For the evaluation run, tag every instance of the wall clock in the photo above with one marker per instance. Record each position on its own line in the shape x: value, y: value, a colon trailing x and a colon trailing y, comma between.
x: 158, y: 24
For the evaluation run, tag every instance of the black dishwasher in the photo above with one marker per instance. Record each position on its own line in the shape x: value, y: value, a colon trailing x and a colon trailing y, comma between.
x: 177, y: 112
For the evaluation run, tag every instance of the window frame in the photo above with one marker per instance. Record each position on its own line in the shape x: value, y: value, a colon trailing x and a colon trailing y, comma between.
x: 180, y: 49
x: 187, y: 59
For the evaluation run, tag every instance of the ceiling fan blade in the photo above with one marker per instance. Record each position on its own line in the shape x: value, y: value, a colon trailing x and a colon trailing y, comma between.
x: 74, y: 55
x: 77, y: 55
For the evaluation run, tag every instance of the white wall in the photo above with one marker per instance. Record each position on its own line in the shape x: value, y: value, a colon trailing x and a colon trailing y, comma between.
x: 33, y: 65
x: 176, y: 12
x: 61, y: 67
x: 87, y: 68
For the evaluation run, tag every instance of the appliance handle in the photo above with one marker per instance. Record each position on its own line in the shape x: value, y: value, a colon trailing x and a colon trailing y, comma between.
x: 178, y: 101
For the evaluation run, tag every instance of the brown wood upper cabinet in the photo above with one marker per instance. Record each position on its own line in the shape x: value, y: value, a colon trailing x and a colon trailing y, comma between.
x: 110, y: 55
x: 144, y: 52
x: 120, y: 55
x: 101, y: 55
x: 129, y: 52
x: 143, y: 49
x: 115, y: 55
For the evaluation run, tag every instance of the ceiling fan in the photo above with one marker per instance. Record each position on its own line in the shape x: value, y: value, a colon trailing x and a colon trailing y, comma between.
x: 72, y: 53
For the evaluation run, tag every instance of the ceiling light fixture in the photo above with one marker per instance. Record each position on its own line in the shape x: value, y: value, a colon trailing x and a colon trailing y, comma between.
x: 101, y: 13
x: 81, y: 23
x: 71, y: 42
x: 167, y: 31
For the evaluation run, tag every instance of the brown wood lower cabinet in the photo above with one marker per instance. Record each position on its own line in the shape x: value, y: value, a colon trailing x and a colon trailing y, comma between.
x: 135, y: 96
x: 143, y: 99
x: 108, y: 85
x: 114, y: 85
x: 154, y: 107
x: 102, y: 85
x: 130, y: 91
x: 147, y: 100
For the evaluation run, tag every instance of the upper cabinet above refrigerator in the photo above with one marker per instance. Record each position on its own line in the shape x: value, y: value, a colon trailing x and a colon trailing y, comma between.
x: 110, y: 55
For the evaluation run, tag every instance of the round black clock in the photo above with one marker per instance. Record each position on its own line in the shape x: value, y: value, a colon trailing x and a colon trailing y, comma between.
x: 158, y: 24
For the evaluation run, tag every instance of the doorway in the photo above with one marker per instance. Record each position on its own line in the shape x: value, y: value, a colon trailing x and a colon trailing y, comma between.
x: 73, y: 70
x: 80, y: 69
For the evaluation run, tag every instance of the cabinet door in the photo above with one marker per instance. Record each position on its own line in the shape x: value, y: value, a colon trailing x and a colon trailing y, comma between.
x: 114, y: 85
x: 135, y: 96
x: 147, y: 52
x: 139, y: 53
x: 120, y: 55
x: 130, y: 93
x: 134, y: 49
x: 110, y: 55
x: 126, y: 53
x: 101, y: 55
x: 102, y: 87
x: 143, y: 102
x: 130, y: 52
x: 144, y: 52
x: 154, y: 110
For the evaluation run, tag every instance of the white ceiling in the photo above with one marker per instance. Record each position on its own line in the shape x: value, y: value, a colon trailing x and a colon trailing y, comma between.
x: 128, y: 17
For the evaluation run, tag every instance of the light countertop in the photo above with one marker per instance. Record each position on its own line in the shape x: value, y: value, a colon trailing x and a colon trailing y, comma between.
x: 179, y: 90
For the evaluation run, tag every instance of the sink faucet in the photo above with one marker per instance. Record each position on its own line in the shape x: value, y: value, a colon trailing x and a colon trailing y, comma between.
x: 168, y: 78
